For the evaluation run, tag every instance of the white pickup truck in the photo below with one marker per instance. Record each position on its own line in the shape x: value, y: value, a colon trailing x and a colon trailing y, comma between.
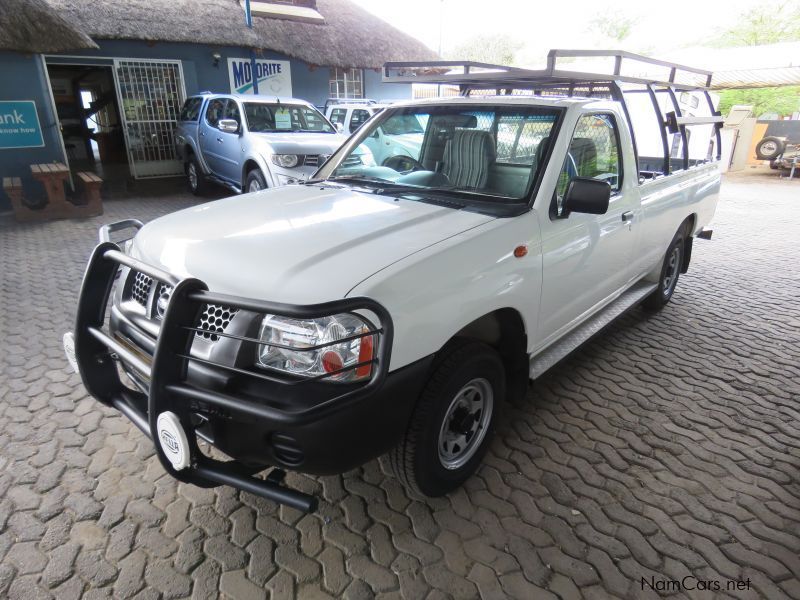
x: 314, y: 327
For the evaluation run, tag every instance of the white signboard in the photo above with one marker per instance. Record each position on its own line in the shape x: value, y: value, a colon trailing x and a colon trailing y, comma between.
x: 274, y: 76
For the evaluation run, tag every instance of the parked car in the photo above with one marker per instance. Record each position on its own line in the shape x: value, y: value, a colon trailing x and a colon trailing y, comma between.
x: 386, y: 308
x: 392, y: 144
x: 252, y: 142
x: 347, y: 115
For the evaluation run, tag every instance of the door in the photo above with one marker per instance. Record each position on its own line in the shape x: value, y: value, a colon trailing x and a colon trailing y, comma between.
x: 209, y: 146
x: 151, y: 93
x: 587, y: 259
x: 229, y: 146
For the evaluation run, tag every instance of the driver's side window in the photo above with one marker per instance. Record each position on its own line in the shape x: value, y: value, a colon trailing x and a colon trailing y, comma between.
x: 214, y: 111
x: 593, y: 152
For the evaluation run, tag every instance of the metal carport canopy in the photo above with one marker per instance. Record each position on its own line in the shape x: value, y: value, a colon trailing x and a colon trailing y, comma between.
x: 771, y: 65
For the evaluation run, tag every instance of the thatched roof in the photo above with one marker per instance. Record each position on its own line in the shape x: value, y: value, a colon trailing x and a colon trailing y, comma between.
x: 32, y: 26
x: 348, y: 37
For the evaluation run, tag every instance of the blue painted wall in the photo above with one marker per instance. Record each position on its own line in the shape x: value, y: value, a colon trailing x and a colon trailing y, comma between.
x: 23, y: 78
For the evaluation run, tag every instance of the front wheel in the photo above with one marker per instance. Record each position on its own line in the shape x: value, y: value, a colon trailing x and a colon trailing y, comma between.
x: 255, y: 181
x: 452, y: 422
x: 195, y: 176
x: 670, y: 270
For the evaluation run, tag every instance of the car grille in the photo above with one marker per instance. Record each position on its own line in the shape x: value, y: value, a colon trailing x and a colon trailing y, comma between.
x: 213, y: 321
x: 315, y: 160
x: 140, y: 290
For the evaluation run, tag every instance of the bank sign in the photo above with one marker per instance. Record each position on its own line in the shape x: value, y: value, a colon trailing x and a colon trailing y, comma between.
x: 19, y: 125
x: 274, y: 76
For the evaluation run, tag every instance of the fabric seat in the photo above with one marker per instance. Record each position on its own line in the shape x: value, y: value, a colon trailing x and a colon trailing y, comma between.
x: 467, y: 156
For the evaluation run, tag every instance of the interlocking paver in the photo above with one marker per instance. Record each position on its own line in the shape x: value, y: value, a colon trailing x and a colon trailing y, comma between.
x: 668, y: 445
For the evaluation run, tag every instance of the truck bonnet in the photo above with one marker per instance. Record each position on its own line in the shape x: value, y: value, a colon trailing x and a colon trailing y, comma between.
x: 295, y: 244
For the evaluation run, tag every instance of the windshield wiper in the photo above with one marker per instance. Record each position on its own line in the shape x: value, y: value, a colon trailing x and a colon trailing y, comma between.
x: 360, y: 179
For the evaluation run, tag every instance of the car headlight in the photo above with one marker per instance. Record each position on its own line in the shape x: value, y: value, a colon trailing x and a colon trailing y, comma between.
x: 286, y: 342
x: 287, y: 161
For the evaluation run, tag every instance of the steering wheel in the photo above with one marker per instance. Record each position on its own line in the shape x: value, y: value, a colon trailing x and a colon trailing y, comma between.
x: 403, y: 164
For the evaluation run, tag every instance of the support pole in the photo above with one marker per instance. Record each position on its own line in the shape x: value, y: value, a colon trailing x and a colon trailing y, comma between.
x: 248, y: 17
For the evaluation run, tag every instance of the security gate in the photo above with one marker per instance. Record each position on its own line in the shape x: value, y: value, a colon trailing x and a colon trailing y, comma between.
x: 151, y: 93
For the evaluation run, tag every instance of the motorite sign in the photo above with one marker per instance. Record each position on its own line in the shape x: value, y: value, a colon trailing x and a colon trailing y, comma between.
x: 274, y: 76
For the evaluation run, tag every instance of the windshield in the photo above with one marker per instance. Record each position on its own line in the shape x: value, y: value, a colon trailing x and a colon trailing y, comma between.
x: 263, y: 117
x: 466, y: 150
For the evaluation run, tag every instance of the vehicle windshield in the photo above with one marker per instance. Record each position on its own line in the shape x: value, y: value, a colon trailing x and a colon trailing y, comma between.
x: 464, y: 150
x: 269, y: 118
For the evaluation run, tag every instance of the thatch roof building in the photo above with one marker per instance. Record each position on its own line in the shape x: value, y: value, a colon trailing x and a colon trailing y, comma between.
x: 32, y: 26
x: 346, y: 36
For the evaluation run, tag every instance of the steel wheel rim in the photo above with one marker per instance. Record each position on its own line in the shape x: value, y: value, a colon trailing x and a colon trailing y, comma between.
x: 254, y: 186
x: 465, y: 423
x: 192, y: 176
x: 769, y: 147
x: 673, y: 268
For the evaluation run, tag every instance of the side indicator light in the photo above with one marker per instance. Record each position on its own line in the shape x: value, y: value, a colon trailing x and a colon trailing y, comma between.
x: 364, y: 355
x: 520, y: 251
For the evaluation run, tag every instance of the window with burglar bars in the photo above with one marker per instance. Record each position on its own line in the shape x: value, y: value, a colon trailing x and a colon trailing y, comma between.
x: 151, y: 96
x: 346, y: 83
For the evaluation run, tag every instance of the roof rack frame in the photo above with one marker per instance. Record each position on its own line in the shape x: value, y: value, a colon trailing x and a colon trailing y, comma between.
x: 472, y: 76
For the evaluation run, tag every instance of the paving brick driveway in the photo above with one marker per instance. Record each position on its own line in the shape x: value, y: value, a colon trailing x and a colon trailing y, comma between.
x: 668, y: 446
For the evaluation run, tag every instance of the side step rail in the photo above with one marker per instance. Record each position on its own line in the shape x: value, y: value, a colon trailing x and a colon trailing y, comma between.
x: 557, y: 351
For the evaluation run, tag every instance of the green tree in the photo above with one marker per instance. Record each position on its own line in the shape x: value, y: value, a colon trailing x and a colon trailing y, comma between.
x: 494, y: 48
x: 783, y: 100
x: 766, y: 24
x: 614, y: 25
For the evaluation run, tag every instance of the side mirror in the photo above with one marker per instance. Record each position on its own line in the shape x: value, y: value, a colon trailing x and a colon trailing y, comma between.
x: 586, y: 195
x: 339, y: 127
x: 228, y: 125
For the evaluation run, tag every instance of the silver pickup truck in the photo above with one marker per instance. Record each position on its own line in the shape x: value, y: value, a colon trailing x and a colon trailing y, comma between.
x: 249, y: 143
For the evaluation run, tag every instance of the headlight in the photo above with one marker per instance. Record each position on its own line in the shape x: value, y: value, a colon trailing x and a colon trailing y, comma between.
x: 283, y: 340
x: 287, y: 161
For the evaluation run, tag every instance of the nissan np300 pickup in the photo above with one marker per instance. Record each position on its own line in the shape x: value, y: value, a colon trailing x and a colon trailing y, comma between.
x: 394, y: 308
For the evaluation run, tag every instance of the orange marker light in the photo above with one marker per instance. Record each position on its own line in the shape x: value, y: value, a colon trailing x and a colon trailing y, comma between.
x: 365, y: 354
x: 520, y: 251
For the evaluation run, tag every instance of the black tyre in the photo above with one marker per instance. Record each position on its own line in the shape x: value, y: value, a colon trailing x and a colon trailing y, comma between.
x: 452, y: 423
x: 195, y: 176
x: 670, y: 271
x: 770, y: 147
x: 255, y: 181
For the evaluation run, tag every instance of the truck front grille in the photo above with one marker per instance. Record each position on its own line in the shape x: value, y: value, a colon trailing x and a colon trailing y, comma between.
x: 214, y: 320
x: 140, y: 290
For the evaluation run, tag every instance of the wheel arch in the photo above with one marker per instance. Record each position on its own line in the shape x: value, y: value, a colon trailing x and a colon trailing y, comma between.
x: 503, y: 330
x: 249, y: 165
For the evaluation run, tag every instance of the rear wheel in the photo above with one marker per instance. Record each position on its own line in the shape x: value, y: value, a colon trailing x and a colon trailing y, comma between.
x: 195, y: 176
x: 255, y: 181
x: 670, y: 270
x: 452, y: 423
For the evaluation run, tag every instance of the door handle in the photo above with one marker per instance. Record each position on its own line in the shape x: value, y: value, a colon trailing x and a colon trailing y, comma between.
x: 627, y: 217
x: 219, y: 140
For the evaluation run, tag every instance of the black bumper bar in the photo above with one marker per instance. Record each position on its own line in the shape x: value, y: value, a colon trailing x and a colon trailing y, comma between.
x: 97, y: 352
